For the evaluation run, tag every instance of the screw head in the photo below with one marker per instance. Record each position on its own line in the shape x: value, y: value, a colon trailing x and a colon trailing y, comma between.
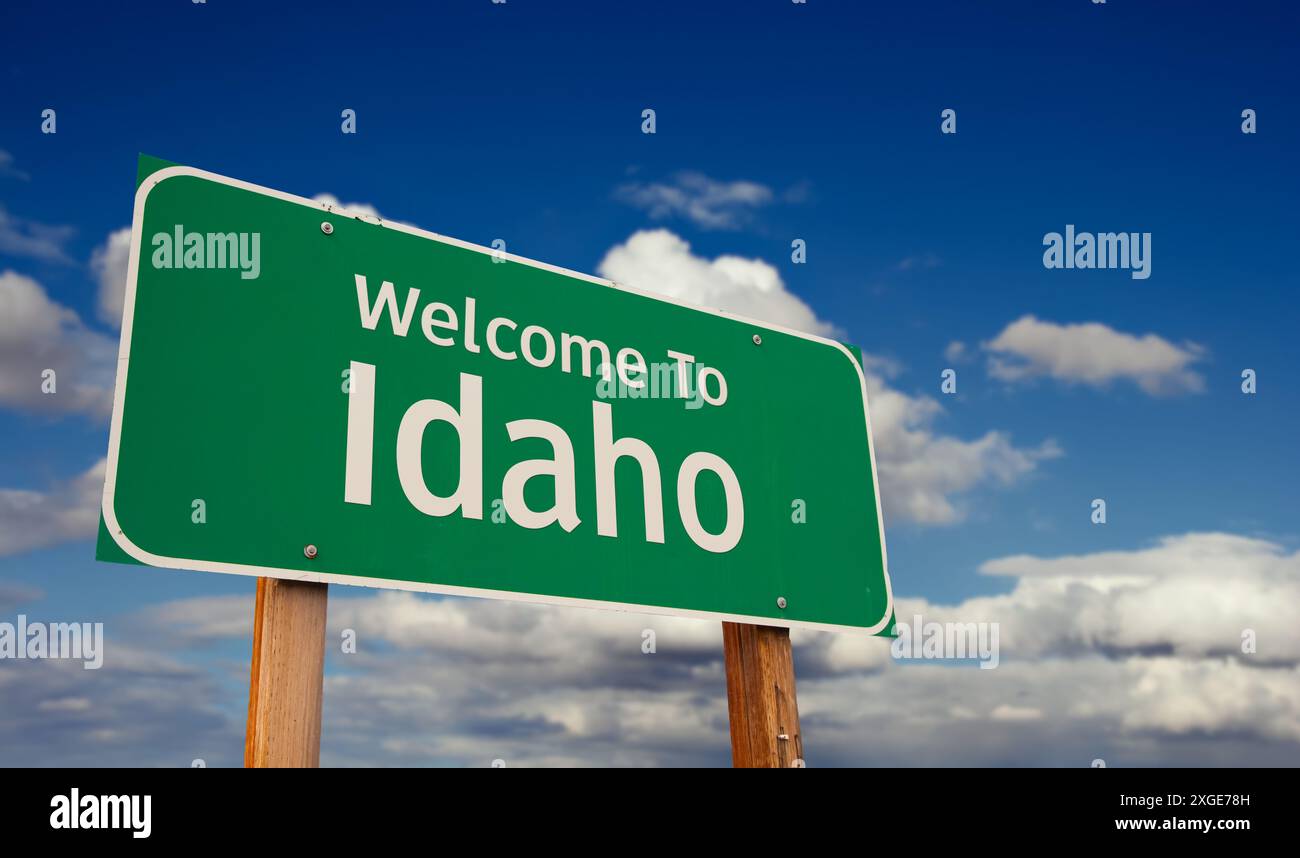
x: 780, y: 602
x: 758, y: 341
x: 327, y: 227
x: 309, y: 552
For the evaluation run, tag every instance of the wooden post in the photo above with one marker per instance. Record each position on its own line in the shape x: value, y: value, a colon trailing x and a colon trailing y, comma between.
x: 761, y: 697
x: 288, y: 675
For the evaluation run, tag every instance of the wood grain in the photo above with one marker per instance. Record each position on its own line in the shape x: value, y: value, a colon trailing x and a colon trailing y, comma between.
x: 761, y: 698
x: 288, y: 674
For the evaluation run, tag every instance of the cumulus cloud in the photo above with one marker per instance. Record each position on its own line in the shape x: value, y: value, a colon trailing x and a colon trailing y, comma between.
x: 1190, y: 595
x: 478, y: 666
x: 355, y: 208
x: 202, y: 619
x: 37, y: 519
x: 21, y: 237
x: 660, y: 261
x: 38, y: 334
x: 1133, y: 648
x: 142, y: 708
x: 1140, y: 711
x: 1093, y: 354
x: 706, y: 202
x: 920, y: 469
x: 1116, y: 655
x: 1089, y: 668
x: 108, y: 263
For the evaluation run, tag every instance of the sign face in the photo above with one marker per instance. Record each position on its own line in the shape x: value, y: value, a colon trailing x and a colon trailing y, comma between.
x: 311, y: 394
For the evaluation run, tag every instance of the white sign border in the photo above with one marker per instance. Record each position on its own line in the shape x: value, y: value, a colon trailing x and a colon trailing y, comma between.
x: 151, y: 559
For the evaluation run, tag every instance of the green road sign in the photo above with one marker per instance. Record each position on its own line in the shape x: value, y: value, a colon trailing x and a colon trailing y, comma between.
x: 306, y: 393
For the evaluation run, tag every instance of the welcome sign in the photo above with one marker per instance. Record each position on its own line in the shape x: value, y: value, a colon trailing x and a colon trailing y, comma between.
x: 304, y: 393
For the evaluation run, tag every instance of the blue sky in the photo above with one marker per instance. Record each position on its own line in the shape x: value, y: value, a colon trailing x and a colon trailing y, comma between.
x: 523, y: 121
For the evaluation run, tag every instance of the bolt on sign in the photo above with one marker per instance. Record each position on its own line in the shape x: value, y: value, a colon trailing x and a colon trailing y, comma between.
x: 361, y: 402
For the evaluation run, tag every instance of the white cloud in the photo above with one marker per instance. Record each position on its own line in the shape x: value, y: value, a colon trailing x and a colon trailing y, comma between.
x: 199, y: 619
x: 1179, y: 697
x: 7, y: 168
x: 1189, y: 595
x: 578, y: 640
x: 1136, y: 711
x: 1117, y: 654
x: 956, y: 352
x: 20, y: 237
x: 660, y: 261
x: 109, y: 264
x: 32, y: 519
x: 706, y: 202
x: 1007, y: 712
x: 354, y: 208
x: 37, y: 334
x: 144, y: 707
x: 919, y: 469
x: 1094, y: 354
